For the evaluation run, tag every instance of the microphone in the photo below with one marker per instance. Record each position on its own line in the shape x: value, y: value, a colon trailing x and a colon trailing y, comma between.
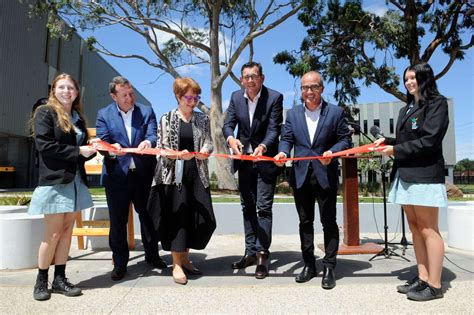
x: 355, y: 126
x: 376, y: 132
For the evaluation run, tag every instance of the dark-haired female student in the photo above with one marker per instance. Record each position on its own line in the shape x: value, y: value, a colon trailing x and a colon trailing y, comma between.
x: 418, y: 176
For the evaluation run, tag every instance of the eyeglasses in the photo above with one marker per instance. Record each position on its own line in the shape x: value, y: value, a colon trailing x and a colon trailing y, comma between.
x: 192, y: 98
x: 253, y: 77
x: 312, y: 87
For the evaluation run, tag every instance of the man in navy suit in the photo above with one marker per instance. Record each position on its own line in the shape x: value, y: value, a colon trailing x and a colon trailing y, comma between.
x: 126, y: 177
x: 257, y: 112
x: 314, y: 129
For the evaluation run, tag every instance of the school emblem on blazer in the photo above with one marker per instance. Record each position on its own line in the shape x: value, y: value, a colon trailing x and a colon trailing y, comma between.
x: 414, y: 123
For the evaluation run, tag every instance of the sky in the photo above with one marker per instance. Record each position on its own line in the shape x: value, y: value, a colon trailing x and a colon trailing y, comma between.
x: 458, y: 84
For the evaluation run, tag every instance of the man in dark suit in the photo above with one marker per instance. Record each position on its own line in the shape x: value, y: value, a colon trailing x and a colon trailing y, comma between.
x: 126, y: 177
x: 314, y: 129
x: 257, y: 112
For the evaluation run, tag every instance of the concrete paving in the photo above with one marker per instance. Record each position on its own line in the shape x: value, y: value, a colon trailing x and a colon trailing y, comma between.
x: 363, y: 286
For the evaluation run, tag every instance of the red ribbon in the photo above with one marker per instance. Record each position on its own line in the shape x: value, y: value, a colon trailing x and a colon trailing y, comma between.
x: 368, y: 148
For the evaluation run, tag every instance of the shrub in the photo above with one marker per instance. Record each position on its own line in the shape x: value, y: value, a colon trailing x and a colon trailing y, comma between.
x: 17, y: 200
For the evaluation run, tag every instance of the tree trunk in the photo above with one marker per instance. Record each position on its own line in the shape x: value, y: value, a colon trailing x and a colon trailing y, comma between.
x: 223, y: 170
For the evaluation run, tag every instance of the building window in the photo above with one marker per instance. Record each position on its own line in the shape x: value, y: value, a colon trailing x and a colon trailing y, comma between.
x: 391, y: 125
x: 377, y: 122
x: 446, y: 172
x: 365, y: 126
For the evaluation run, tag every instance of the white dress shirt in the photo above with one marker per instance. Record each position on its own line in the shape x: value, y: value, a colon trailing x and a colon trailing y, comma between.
x: 127, y: 121
x: 312, y: 119
x: 252, y: 107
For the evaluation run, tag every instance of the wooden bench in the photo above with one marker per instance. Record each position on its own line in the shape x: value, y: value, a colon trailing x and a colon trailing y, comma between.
x: 99, y: 227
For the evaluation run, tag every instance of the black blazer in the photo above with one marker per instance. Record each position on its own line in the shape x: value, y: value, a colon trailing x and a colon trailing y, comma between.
x: 58, y: 151
x: 266, y: 124
x: 418, y: 144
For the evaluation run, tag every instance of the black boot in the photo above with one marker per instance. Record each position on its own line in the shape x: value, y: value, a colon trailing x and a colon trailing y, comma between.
x: 41, y: 292
x: 62, y: 285
x: 308, y: 272
x: 329, y: 279
x: 261, y: 272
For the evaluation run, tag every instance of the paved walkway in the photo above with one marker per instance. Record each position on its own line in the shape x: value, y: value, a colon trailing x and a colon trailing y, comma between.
x: 363, y: 286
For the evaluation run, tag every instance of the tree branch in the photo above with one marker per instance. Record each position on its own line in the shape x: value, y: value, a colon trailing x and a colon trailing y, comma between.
x: 452, y: 58
x: 255, y: 34
x: 441, y: 37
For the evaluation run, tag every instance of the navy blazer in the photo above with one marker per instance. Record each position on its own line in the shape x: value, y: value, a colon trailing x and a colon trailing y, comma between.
x: 58, y: 151
x: 266, y: 124
x: 418, y: 146
x: 111, y: 128
x: 332, y: 134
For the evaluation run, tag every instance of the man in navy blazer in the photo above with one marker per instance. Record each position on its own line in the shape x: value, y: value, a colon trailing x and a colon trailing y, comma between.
x: 315, y: 129
x: 257, y: 111
x: 127, y: 177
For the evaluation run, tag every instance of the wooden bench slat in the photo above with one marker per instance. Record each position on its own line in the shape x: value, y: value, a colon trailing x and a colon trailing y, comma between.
x: 90, y: 231
x: 98, y: 223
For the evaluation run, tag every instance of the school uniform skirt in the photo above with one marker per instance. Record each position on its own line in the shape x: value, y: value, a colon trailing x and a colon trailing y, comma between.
x: 429, y: 195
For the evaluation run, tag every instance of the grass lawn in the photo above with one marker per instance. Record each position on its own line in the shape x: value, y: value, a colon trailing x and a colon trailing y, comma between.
x: 290, y: 199
x: 22, y: 198
x: 467, y: 189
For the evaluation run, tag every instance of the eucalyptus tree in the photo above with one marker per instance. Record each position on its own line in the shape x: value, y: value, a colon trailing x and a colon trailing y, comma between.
x: 347, y: 43
x: 209, y: 32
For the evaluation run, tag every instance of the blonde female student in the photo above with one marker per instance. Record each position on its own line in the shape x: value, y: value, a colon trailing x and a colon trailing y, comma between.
x: 60, y: 136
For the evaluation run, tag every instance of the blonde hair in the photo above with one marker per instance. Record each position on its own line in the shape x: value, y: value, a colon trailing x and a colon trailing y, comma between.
x: 63, y: 118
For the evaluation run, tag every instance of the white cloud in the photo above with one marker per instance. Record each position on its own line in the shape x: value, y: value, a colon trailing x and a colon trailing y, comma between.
x: 379, y: 8
x: 225, y: 104
x: 224, y: 44
x: 464, y: 151
x: 191, y: 70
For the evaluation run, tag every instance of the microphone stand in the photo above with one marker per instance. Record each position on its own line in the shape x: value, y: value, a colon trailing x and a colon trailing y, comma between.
x: 386, y: 251
x: 378, y: 134
x: 404, y: 242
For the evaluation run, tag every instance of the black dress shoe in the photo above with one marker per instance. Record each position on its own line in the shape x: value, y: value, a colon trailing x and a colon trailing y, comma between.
x: 118, y: 273
x: 261, y: 272
x: 244, y: 262
x: 425, y: 294
x: 329, y: 279
x: 157, y: 262
x: 414, y: 284
x: 308, y: 272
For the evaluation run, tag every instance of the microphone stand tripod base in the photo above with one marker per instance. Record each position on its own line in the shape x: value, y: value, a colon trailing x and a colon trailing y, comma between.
x: 387, y: 253
x: 365, y: 248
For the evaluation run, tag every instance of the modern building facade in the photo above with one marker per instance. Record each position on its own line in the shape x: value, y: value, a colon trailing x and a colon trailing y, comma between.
x: 385, y: 114
x: 29, y: 61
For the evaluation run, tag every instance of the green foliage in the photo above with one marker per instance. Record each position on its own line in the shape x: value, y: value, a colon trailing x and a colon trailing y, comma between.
x: 369, y: 189
x: 17, y: 200
x: 214, y: 182
x: 464, y: 165
x: 283, y: 188
x: 466, y: 189
x: 345, y: 43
